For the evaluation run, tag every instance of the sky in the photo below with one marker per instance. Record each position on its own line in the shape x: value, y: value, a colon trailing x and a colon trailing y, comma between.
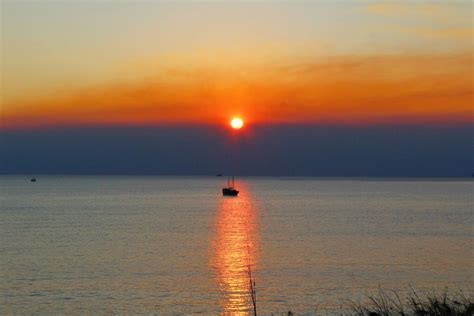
x: 122, y: 68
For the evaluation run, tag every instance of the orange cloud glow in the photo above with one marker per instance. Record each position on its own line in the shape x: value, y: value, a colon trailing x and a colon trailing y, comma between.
x: 351, y: 90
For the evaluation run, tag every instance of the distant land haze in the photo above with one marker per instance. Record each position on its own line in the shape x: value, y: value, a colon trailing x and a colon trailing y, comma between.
x: 280, y: 150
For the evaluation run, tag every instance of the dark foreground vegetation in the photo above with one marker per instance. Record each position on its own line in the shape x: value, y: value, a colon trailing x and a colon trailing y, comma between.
x: 427, y: 304
x: 391, y: 303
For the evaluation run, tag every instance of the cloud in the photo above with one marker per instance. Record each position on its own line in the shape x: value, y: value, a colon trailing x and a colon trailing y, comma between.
x: 397, y: 9
x: 447, y: 20
x: 452, y: 33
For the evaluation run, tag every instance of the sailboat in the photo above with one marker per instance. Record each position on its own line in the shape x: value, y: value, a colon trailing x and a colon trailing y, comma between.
x: 230, y: 189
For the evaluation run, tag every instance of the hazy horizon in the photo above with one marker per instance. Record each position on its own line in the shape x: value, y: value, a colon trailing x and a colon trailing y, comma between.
x: 283, y: 150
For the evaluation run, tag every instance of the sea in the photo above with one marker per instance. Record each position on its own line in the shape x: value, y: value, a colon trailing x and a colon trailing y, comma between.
x: 175, y: 246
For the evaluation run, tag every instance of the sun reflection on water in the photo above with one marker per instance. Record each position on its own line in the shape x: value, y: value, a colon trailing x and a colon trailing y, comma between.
x: 235, y: 251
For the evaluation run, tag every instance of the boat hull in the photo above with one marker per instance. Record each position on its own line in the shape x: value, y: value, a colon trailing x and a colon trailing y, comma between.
x: 229, y: 192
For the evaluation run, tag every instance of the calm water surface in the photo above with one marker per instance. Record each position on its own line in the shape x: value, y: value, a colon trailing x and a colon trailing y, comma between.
x: 110, y: 244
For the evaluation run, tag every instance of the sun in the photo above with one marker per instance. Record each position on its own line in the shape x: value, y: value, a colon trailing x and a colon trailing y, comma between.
x: 236, y: 123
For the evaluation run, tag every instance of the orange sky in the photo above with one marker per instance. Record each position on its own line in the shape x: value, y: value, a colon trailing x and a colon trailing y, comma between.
x: 412, y: 64
x: 353, y: 90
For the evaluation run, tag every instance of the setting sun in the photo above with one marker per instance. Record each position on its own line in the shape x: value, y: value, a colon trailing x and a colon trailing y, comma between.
x: 236, y: 123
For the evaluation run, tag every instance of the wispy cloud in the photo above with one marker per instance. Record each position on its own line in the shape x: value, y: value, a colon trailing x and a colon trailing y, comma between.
x: 452, y: 33
x: 400, y: 8
x: 446, y: 20
x: 444, y: 12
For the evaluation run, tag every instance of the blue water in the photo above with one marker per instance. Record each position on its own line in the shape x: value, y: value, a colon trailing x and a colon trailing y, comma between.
x: 125, y: 244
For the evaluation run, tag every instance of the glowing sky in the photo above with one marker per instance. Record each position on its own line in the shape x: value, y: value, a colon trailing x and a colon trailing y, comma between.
x: 149, y: 62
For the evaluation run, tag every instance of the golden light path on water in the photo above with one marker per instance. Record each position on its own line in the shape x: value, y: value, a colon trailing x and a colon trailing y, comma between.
x: 235, y: 251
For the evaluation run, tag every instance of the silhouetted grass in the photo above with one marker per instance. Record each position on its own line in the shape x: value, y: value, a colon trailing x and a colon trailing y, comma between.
x: 427, y: 304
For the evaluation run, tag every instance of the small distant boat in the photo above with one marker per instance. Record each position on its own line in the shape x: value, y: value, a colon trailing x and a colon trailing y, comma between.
x: 33, y: 180
x: 230, y: 189
x: 219, y: 175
